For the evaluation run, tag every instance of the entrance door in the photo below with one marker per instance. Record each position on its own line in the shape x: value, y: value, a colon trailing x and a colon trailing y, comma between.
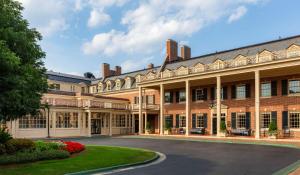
x: 96, y: 126
x: 136, y: 125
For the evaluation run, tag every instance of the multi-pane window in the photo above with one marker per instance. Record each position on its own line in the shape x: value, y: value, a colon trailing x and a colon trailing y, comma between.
x: 168, y: 121
x: 150, y: 99
x: 265, y: 119
x: 67, y: 120
x: 167, y: 97
x: 222, y: 93
x: 128, y: 84
x: 181, y: 96
x: 118, y: 85
x: 265, y: 89
x: 119, y: 120
x: 199, y: 121
x: 72, y: 88
x: 294, y: 119
x: 182, y: 121
x: 37, y: 121
x: 108, y: 86
x: 294, y: 86
x: 241, y: 120
x: 200, y: 94
x: 241, y: 92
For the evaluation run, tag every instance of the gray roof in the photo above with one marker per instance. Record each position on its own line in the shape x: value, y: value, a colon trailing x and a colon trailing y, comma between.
x: 57, y: 76
x: 274, y: 45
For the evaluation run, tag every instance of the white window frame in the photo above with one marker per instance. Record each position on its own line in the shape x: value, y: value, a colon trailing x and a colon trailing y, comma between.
x: 182, y: 121
x: 118, y: 85
x: 237, y: 92
x: 181, y: 95
x: 33, y: 122
x: 200, y: 120
x: 200, y: 94
x: 238, y: 122
x: 289, y: 120
x: 297, y: 93
x: 262, y: 119
x: 67, y: 120
x: 262, y: 90
x: 128, y: 84
x: 168, y: 95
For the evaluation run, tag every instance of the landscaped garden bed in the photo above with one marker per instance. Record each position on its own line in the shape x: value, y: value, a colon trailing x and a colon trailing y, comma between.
x: 24, y: 156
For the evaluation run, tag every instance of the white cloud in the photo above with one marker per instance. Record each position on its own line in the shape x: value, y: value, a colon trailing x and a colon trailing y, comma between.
x: 98, y: 18
x: 47, y: 16
x: 237, y: 14
x: 154, y: 21
x: 133, y: 64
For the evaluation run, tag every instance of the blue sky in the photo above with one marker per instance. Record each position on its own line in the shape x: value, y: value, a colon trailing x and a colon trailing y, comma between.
x: 79, y: 35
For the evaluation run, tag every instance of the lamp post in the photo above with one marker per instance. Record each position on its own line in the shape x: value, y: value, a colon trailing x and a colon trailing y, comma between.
x: 47, y: 106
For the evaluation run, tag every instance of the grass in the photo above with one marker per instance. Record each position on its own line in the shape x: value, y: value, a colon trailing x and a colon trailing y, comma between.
x: 92, y: 158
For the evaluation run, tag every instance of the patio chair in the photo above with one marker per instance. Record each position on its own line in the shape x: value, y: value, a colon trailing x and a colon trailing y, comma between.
x: 286, y: 132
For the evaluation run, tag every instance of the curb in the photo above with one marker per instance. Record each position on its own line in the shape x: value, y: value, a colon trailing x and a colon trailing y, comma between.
x: 102, y: 170
x: 214, y: 141
x: 289, y: 169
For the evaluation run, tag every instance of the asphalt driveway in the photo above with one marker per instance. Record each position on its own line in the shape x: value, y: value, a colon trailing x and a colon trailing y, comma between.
x: 188, y: 158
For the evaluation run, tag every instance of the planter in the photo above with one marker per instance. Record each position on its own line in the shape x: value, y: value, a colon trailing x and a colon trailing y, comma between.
x: 272, y: 136
x: 222, y: 134
x: 147, y: 132
x: 167, y: 132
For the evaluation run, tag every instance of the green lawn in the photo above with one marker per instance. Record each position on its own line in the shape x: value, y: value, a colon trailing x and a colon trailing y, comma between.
x: 92, y: 158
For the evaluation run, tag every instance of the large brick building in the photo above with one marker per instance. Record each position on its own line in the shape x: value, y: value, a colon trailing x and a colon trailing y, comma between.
x: 246, y: 88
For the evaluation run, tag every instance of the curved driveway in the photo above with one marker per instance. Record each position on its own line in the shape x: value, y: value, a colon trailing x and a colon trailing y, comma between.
x: 188, y: 158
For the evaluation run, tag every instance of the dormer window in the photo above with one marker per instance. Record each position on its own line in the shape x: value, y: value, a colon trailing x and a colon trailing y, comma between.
x: 265, y: 56
x: 118, y: 85
x: 240, y: 61
x: 182, y: 71
x: 108, y: 87
x: 293, y: 51
x: 218, y: 64
x: 128, y: 83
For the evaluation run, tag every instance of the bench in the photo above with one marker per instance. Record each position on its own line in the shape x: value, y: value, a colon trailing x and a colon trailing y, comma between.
x: 243, y: 132
x: 200, y: 130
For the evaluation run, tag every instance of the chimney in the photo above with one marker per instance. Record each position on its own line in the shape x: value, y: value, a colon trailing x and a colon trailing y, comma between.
x: 118, y: 70
x: 105, y: 70
x: 172, y: 50
x: 185, y: 52
x: 150, y: 66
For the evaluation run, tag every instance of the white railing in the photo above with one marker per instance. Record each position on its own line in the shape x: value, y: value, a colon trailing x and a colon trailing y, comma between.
x: 145, y: 106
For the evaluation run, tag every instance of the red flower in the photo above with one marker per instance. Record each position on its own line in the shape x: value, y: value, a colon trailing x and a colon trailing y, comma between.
x: 74, y: 147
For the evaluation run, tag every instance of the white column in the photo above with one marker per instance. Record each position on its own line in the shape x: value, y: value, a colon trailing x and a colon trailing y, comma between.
x: 140, y: 111
x: 187, y: 106
x: 257, y: 105
x: 145, y: 121
x: 53, y: 123
x: 110, y: 123
x: 79, y: 122
x: 162, y: 101
x: 89, y: 124
x: 218, y: 105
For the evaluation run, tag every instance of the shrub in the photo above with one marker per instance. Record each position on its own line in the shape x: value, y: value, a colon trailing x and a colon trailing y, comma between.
x: 74, y: 147
x: 42, y: 145
x: 4, y: 135
x: 272, y: 128
x: 2, y: 149
x: 14, y: 145
x: 30, y: 156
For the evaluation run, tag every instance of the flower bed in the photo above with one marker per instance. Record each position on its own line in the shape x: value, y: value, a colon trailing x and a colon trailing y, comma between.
x: 26, y: 150
x: 74, y: 147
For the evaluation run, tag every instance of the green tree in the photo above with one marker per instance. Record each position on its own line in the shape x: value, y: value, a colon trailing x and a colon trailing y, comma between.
x: 22, y: 71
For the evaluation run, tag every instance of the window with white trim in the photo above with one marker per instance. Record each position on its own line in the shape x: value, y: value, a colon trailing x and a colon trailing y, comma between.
x: 181, y: 96
x: 118, y: 85
x: 182, y: 121
x: 241, y: 92
x: 66, y: 120
x: 265, y: 118
x: 293, y: 53
x: 128, y: 84
x: 199, y: 120
x: 54, y: 86
x: 294, y: 120
x: 200, y: 94
x: 36, y: 121
x: 168, y: 97
x: 265, y: 89
x: 108, y: 87
x: 294, y: 86
x: 150, y: 99
x: 241, y: 120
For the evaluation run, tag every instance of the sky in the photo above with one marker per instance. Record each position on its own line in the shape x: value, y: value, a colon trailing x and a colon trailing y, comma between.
x: 80, y: 35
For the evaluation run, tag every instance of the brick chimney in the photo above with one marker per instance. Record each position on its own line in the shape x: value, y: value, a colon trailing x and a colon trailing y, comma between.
x: 185, y: 52
x: 172, y: 50
x: 150, y: 66
x: 118, y: 70
x: 105, y: 70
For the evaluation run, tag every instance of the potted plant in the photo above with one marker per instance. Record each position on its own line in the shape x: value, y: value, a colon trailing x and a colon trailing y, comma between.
x: 223, y: 129
x: 168, y: 128
x: 272, y: 132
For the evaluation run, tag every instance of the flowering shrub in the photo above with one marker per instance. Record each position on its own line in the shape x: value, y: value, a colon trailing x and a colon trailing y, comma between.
x: 74, y: 147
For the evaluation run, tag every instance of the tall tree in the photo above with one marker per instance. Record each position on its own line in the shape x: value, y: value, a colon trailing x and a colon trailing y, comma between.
x: 22, y: 71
